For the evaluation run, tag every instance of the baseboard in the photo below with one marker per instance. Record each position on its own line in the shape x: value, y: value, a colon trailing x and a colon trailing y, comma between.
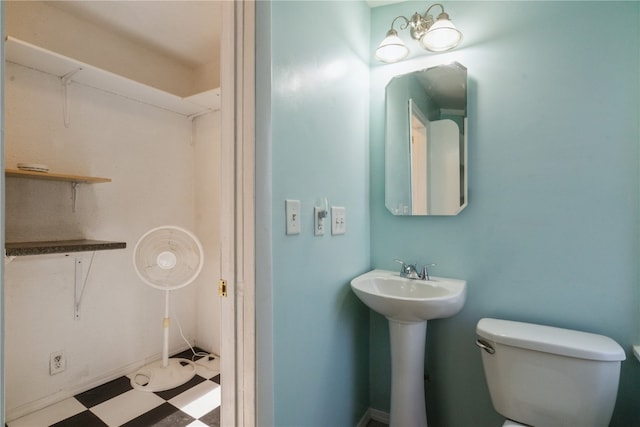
x: 22, y: 410
x: 373, y: 414
x: 364, y: 420
x: 380, y: 416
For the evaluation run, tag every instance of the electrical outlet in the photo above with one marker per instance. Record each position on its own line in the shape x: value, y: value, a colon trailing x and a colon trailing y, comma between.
x: 319, y: 215
x: 338, y: 220
x: 57, y: 362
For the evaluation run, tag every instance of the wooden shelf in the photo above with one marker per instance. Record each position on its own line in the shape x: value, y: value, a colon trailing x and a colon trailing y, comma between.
x: 17, y: 173
x: 60, y: 247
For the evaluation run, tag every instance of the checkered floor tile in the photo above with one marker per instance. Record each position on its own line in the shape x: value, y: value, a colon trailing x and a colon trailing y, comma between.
x: 116, y: 403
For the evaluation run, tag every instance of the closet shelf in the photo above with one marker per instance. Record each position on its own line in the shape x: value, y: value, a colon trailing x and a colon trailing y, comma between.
x: 60, y: 246
x: 17, y: 173
x: 35, y: 57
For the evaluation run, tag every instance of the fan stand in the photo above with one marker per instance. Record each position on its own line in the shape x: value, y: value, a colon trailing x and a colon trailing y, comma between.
x: 166, y: 258
x: 167, y: 373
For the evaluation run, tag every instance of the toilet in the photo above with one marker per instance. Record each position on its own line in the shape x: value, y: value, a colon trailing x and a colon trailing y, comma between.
x: 545, y: 376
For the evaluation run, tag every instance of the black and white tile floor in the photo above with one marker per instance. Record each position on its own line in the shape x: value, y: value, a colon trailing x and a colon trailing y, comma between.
x: 116, y: 403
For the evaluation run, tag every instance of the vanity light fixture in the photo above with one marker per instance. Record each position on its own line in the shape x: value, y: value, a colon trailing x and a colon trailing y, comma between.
x: 437, y: 35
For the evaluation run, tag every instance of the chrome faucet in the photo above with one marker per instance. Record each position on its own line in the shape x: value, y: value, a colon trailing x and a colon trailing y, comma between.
x: 410, y: 271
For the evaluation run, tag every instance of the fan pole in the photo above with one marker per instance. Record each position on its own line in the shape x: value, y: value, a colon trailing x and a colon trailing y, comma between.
x: 165, y: 324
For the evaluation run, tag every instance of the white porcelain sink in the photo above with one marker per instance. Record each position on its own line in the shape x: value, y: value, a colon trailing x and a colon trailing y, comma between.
x: 408, y: 304
x: 409, y: 300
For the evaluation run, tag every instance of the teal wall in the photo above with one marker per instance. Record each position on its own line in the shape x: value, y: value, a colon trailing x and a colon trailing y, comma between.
x: 312, y: 142
x: 551, y: 233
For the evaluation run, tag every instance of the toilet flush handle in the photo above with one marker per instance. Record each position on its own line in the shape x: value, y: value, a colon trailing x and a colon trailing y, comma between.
x: 485, y: 346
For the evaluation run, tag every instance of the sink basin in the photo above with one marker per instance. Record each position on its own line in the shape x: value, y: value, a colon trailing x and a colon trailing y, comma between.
x: 409, y: 300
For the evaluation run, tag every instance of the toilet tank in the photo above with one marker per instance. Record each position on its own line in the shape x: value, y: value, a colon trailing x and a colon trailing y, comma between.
x: 545, y: 376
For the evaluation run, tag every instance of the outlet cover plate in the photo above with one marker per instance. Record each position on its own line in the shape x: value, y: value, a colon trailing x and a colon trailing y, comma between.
x: 338, y: 220
x: 57, y: 362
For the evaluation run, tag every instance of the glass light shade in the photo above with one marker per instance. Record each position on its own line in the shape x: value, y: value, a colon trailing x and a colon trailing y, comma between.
x: 392, y: 48
x: 441, y: 36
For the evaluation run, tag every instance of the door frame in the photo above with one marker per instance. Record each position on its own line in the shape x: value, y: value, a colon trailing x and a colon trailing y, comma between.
x: 237, y: 218
x: 2, y: 214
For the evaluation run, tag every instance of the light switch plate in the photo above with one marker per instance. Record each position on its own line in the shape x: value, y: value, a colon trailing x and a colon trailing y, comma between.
x: 338, y: 220
x: 292, y: 211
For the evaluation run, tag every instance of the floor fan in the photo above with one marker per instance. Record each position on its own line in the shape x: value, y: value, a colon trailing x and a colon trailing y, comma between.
x: 166, y: 258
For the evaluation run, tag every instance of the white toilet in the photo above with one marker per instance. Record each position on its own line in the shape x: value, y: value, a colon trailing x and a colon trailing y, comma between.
x: 545, y: 376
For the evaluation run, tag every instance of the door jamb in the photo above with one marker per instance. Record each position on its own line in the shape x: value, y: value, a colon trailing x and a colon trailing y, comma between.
x: 237, y: 259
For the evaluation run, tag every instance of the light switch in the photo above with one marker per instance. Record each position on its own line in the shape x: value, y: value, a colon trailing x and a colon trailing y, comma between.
x: 338, y: 220
x: 292, y: 211
x: 319, y: 216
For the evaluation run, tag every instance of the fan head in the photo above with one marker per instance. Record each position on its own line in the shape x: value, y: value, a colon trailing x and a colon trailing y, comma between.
x: 168, y: 257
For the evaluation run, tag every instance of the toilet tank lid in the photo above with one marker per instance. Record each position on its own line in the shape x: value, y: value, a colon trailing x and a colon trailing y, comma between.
x: 550, y: 339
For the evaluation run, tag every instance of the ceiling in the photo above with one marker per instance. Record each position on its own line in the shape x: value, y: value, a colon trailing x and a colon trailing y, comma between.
x: 186, y: 30
x: 377, y: 3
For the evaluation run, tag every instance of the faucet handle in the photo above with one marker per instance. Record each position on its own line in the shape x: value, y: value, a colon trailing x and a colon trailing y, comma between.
x: 424, y: 275
x: 402, y: 264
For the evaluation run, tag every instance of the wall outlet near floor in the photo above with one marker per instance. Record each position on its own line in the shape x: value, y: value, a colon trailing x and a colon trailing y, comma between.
x: 57, y: 362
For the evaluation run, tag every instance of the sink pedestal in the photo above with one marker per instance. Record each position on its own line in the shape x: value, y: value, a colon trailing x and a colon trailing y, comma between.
x: 407, y: 373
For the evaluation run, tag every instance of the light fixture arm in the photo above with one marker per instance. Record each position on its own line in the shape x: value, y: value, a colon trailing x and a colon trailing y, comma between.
x: 419, y: 24
x: 402, y: 26
x: 392, y: 31
x: 428, y: 17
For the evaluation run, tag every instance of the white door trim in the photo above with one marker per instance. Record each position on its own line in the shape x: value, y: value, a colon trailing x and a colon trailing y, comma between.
x: 237, y: 241
x: 2, y: 219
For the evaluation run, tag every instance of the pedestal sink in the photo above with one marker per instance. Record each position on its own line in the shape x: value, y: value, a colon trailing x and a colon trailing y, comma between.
x: 408, y: 304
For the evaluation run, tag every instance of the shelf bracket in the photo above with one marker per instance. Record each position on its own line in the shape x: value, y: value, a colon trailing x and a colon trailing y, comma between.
x: 8, y: 258
x: 66, y: 81
x: 74, y: 195
x: 80, y: 284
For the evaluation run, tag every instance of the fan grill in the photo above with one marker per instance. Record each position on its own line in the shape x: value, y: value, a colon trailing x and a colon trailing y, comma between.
x: 168, y: 258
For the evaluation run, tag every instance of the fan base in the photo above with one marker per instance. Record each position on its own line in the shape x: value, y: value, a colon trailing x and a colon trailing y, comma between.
x: 155, y: 377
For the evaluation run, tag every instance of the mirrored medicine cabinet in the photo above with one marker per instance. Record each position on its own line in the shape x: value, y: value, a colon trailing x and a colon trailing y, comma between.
x: 426, y: 142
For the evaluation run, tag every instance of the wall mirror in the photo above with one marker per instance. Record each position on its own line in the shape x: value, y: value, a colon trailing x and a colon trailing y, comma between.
x: 426, y: 142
